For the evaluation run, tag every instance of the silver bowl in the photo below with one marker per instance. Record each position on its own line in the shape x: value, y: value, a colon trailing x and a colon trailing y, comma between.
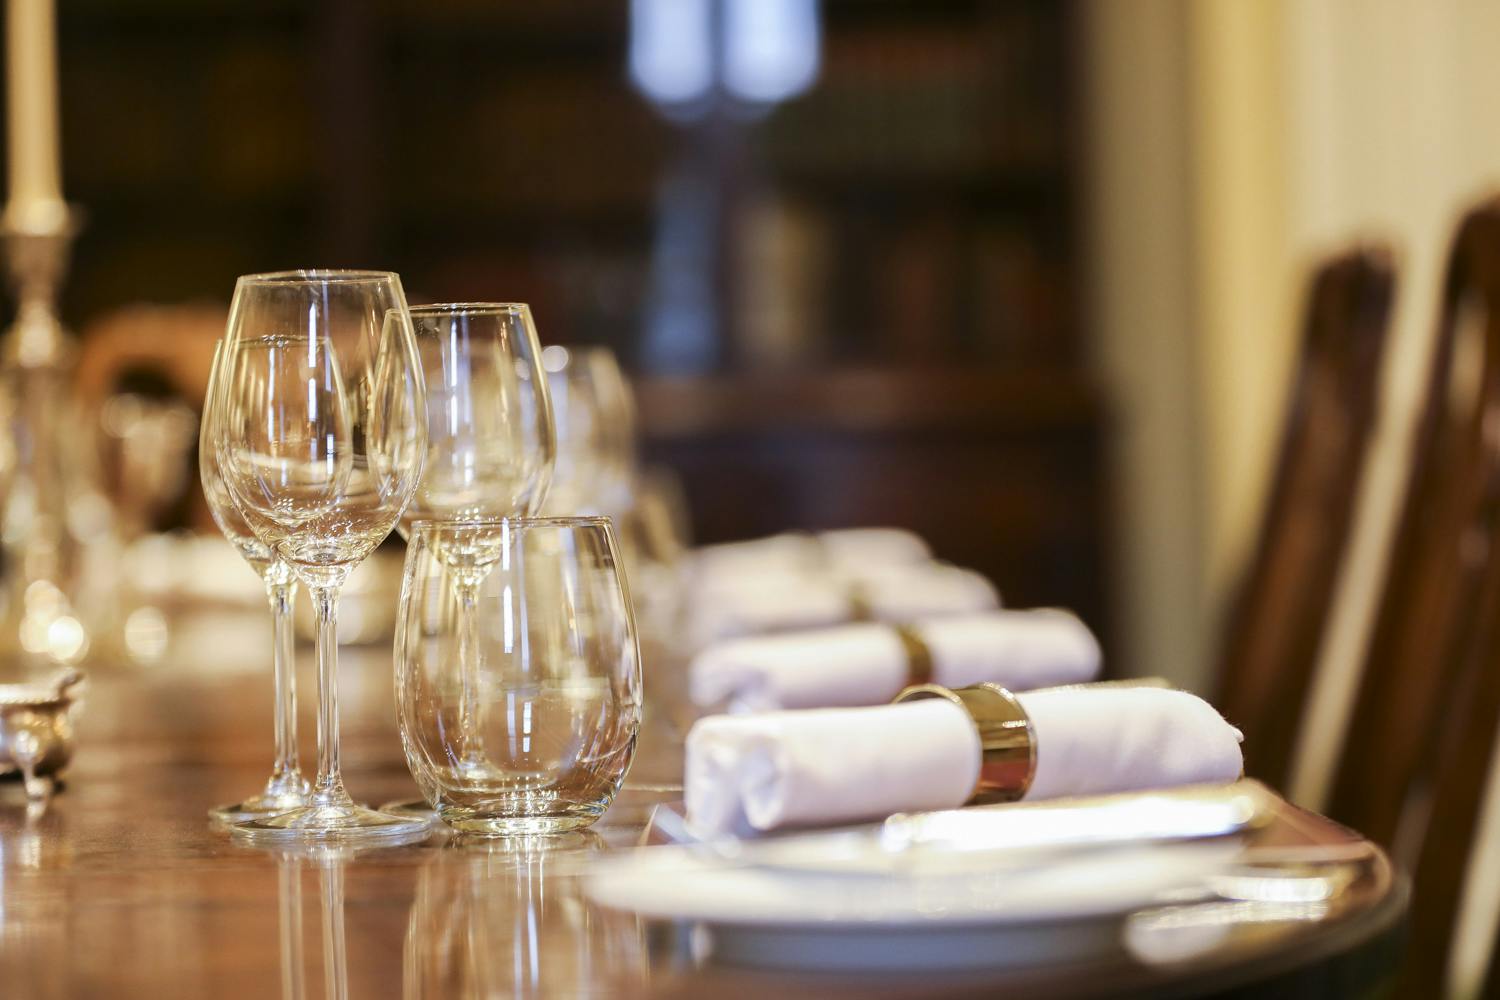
x: 36, y: 729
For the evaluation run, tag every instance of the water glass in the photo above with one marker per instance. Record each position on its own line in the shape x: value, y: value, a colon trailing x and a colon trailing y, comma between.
x: 519, y: 703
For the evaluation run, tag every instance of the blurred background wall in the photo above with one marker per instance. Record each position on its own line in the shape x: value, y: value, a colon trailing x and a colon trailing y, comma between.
x: 835, y: 242
x: 1021, y: 275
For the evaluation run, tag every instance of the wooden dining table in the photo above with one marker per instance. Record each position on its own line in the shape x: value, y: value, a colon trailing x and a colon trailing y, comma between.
x: 121, y: 888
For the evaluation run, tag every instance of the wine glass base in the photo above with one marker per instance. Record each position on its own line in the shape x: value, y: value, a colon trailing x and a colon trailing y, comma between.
x: 262, y: 806
x: 417, y: 808
x: 341, y: 824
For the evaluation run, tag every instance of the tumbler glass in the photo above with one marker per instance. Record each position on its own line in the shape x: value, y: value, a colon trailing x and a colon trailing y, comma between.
x: 523, y: 721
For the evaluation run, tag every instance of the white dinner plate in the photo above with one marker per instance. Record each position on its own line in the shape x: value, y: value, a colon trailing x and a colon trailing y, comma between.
x: 826, y: 901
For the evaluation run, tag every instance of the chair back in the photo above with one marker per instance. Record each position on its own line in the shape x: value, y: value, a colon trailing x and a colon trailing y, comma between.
x: 1418, y: 767
x: 1276, y: 621
x: 1431, y: 617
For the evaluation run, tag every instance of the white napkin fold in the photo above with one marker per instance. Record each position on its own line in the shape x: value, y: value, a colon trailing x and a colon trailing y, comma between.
x: 753, y: 773
x: 787, y: 553
x: 753, y: 603
x: 851, y: 552
x: 873, y: 547
x: 1097, y: 740
x: 867, y: 664
x: 762, y: 772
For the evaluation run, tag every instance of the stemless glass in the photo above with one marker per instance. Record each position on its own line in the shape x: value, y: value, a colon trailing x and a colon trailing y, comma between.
x: 321, y: 445
x: 286, y: 789
x: 553, y: 713
x: 490, y: 442
x: 595, y: 418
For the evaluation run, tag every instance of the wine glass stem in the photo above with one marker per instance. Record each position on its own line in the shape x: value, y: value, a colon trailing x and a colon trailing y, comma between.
x: 468, y: 665
x: 329, y: 788
x: 287, y: 766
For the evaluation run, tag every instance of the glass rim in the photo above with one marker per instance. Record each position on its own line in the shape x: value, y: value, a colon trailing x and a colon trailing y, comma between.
x: 328, y: 275
x: 427, y: 525
x: 470, y: 308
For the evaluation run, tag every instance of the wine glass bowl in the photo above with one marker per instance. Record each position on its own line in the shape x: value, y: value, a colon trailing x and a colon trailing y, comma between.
x: 324, y: 437
x: 490, y: 440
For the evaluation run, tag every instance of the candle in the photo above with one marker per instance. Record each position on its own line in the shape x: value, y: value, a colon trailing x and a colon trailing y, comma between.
x: 36, y: 202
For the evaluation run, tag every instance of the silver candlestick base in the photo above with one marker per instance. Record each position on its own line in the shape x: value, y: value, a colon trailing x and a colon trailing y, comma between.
x: 40, y: 458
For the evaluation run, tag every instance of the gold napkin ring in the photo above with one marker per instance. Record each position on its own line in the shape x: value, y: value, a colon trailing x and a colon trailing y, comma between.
x: 1007, y: 740
x: 918, y: 655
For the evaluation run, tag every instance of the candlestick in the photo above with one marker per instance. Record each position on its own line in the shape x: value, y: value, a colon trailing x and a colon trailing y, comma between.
x: 38, y: 448
x: 36, y: 203
x: 40, y: 626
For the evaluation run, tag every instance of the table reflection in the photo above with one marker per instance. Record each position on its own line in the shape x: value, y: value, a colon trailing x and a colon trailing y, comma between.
x: 289, y: 924
x: 508, y: 918
x: 330, y: 863
x: 32, y: 924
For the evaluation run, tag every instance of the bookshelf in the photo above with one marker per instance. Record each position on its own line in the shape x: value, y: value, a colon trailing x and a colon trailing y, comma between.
x: 910, y: 219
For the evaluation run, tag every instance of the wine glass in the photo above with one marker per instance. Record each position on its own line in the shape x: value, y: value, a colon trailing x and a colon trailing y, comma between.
x: 285, y: 789
x: 490, y: 443
x: 595, y: 418
x: 321, y: 445
x: 540, y: 739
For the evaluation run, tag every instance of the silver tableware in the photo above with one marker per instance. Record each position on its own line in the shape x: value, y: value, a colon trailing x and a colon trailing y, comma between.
x: 36, y: 729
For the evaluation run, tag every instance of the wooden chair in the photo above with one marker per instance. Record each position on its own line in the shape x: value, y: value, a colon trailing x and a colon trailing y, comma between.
x: 174, y: 342
x: 1430, y: 612
x: 1415, y: 761
x: 167, y: 347
x: 1430, y: 716
x: 1276, y: 622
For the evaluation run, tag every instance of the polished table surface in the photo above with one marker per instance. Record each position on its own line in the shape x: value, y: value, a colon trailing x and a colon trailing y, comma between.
x: 121, y: 888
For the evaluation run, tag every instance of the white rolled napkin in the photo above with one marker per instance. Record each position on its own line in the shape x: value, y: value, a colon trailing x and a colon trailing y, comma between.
x: 867, y: 664
x: 864, y: 547
x: 829, y: 551
x: 1098, y: 740
x: 786, y: 553
x: 756, y: 773
x: 755, y: 603
x: 924, y: 590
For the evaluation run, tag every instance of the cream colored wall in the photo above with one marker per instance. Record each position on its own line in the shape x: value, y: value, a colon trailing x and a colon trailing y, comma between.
x: 1141, y: 307
x: 1191, y: 289
x: 1244, y: 269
